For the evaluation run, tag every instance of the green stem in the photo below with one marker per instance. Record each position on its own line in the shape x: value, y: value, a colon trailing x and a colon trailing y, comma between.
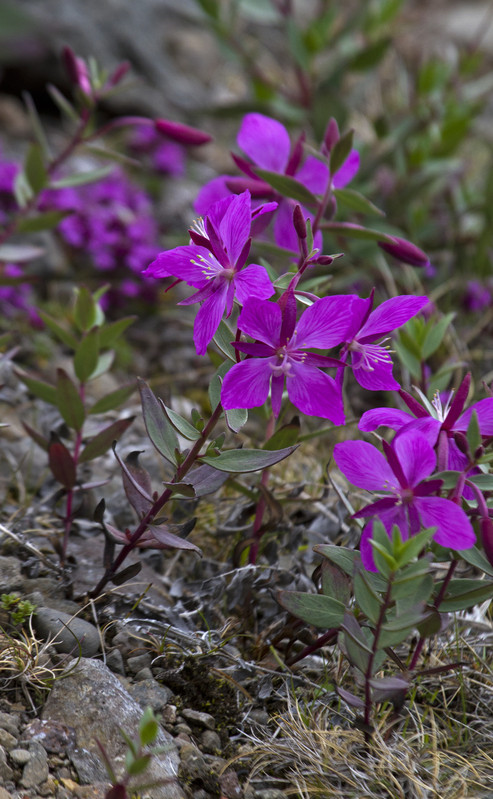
x: 371, y: 659
x: 259, y: 513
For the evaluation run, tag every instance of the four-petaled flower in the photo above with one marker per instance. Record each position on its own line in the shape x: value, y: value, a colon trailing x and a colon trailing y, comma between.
x: 215, y: 265
x: 406, y: 499
x: 267, y: 144
x: 279, y: 356
x: 372, y: 363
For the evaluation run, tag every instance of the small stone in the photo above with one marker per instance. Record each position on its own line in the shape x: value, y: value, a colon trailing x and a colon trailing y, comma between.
x: 168, y: 714
x: 143, y: 674
x: 48, y: 788
x: 200, y: 718
x: 182, y: 727
x: 150, y: 693
x: 5, y: 794
x: 10, y: 723
x: 114, y: 661
x: 55, y: 736
x: 6, y: 772
x: 20, y: 756
x: 259, y: 717
x: 124, y: 642
x: 270, y: 793
x: 200, y: 794
x: 10, y: 575
x: 36, y: 769
x: 70, y: 633
x: 182, y: 739
x: 230, y: 787
x: 192, y: 763
x: 138, y: 662
x: 211, y: 742
x: 7, y: 740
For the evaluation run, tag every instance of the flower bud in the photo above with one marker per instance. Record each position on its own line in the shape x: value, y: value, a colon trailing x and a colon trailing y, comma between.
x: 117, y: 75
x: 299, y: 222
x: 77, y: 70
x: 323, y: 260
x: 331, y: 136
x: 405, y: 251
x: 462, y: 443
x: 181, y: 133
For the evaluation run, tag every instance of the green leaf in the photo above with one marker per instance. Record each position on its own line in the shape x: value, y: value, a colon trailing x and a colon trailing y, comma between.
x: 317, y: 609
x: 411, y: 548
x: 87, y: 355
x: 61, y: 463
x: 247, y: 460
x: 341, y: 151
x: 448, y: 477
x: 180, y: 424
x: 482, y: 481
x: 44, y: 221
x: 434, y: 335
x: 286, y: 436
x: 356, y: 202
x: 464, y: 593
x: 368, y: 600
x: 398, y: 628
x: 102, y: 441
x: 476, y: 558
x: 39, y: 388
x: 412, y: 364
x: 354, y: 231
x: 474, y: 433
x: 65, y: 336
x: 159, y: 428
x: 22, y: 189
x: 36, y: 124
x: 407, y: 578
x: 110, y: 333
x: 236, y: 418
x: 85, y: 310
x: 81, y: 178
x: 105, y: 362
x: 137, y: 765
x: 62, y: 103
x: 355, y: 642
x: 40, y: 440
x: 69, y: 402
x: 114, y: 399
x: 370, y: 56
x: 345, y: 558
x: 148, y: 728
x: 35, y: 170
x: 287, y: 186
x: 126, y: 574
x: 334, y: 582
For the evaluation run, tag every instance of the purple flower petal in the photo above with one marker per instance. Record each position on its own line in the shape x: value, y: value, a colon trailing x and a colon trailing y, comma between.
x: 416, y: 456
x: 265, y: 141
x: 484, y: 410
x: 315, y: 393
x: 208, y: 318
x: 453, y: 527
x: 314, y: 174
x: 211, y: 193
x: 379, y: 376
x: 235, y: 224
x: 390, y: 315
x: 178, y: 263
x: 325, y: 323
x: 364, y: 466
x: 261, y: 320
x: 383, y: 417
x: 253, y: 281
x: 347, y: 171
x: 284, y: 233
x: 246, y: 385
x: 427, y: 427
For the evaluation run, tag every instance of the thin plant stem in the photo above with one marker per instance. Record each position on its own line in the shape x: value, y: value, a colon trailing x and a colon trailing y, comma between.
x: 371, y: 659
x: 259, y: 513
x: 436, y: 605
x: 158, y: 505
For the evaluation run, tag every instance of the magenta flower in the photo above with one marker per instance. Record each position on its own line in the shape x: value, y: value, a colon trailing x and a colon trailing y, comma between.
x: 215, y: 265
x: 280, y: 357
x: 405, y: 494
x: 267, y: 144
x: 372, y: 363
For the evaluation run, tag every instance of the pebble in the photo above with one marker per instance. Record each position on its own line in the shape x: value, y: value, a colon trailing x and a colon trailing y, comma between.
x: 7, y: 741
x: 270, y: 793
x: 181, y: 727
x: 211, y: 742
x: 6, y: 772
x: 199, y: 717
x: 138, y: 662
x: 143, y: 674
x: 5, y: 794
x: 20, y: 756
x: 150, y: 693
x: 71, y: 633
x: 114, y: 661
x: 36, y: 769
x: 10, y: 575
x: 10, y: 723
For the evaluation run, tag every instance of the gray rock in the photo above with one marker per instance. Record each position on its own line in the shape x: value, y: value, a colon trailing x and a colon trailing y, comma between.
x: 7, y: 740
x: 97, y: 705
x: 138, y: 662
x: 9, y: 722
x: 10, y: 575
x: 6, y: 772
x: 114, y: 661
x: 211, y: 742
x: 70, y: 633
x: 199, y: 718
x: 20, y: 756
x: 36, y: 769
x: 150, y: 693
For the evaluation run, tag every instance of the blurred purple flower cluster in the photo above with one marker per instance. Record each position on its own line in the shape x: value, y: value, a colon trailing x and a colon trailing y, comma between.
x: 165, y: 156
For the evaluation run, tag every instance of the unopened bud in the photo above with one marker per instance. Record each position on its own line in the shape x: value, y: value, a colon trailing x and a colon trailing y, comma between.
x: 77, y: 70
x: 299, y: 222
x: 405, y: 251
x: 462, y: 443
x: 184, y: 134
x: 479, y: 452
x: 331, y: 136
x: 323, y: 260
x: 118, y: 74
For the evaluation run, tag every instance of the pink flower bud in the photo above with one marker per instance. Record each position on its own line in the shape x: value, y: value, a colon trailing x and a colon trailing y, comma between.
x: 404, y: 251
x: 299, y: 222
x: 181, y: 133
x: 77, y: 70
x: 331, y: 136
x: 118, y: 74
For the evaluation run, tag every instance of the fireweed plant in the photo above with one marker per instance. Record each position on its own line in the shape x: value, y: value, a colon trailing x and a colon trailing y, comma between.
x: 277, y: 342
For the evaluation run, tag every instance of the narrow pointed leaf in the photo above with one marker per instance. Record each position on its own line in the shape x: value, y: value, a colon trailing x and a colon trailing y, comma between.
x: 81, y: 178
x: 236, y: 418
x: 114, y: 399
x: 126, y: 574
x: 85, y: 310
x: 34, y: 169
x: 181, y: 425
x: 159, y: 428
x: 368, y: 600
x: 38, y: 387
x: 464, y: 593
x: 286, y: 436
x: 247, y: 460
x: 102, y: 442
x: 40, y: 440
x: 110, y: 333
x: 86, y: 355
x: 287, y: 186
x: 341, y: 151
x: 65, y: 336
x: 44, y: 221
x: 357, y: 202
x: 345, y: 558
x: 61, y: 463
x: 317, y: 609
x: 69, y: 402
